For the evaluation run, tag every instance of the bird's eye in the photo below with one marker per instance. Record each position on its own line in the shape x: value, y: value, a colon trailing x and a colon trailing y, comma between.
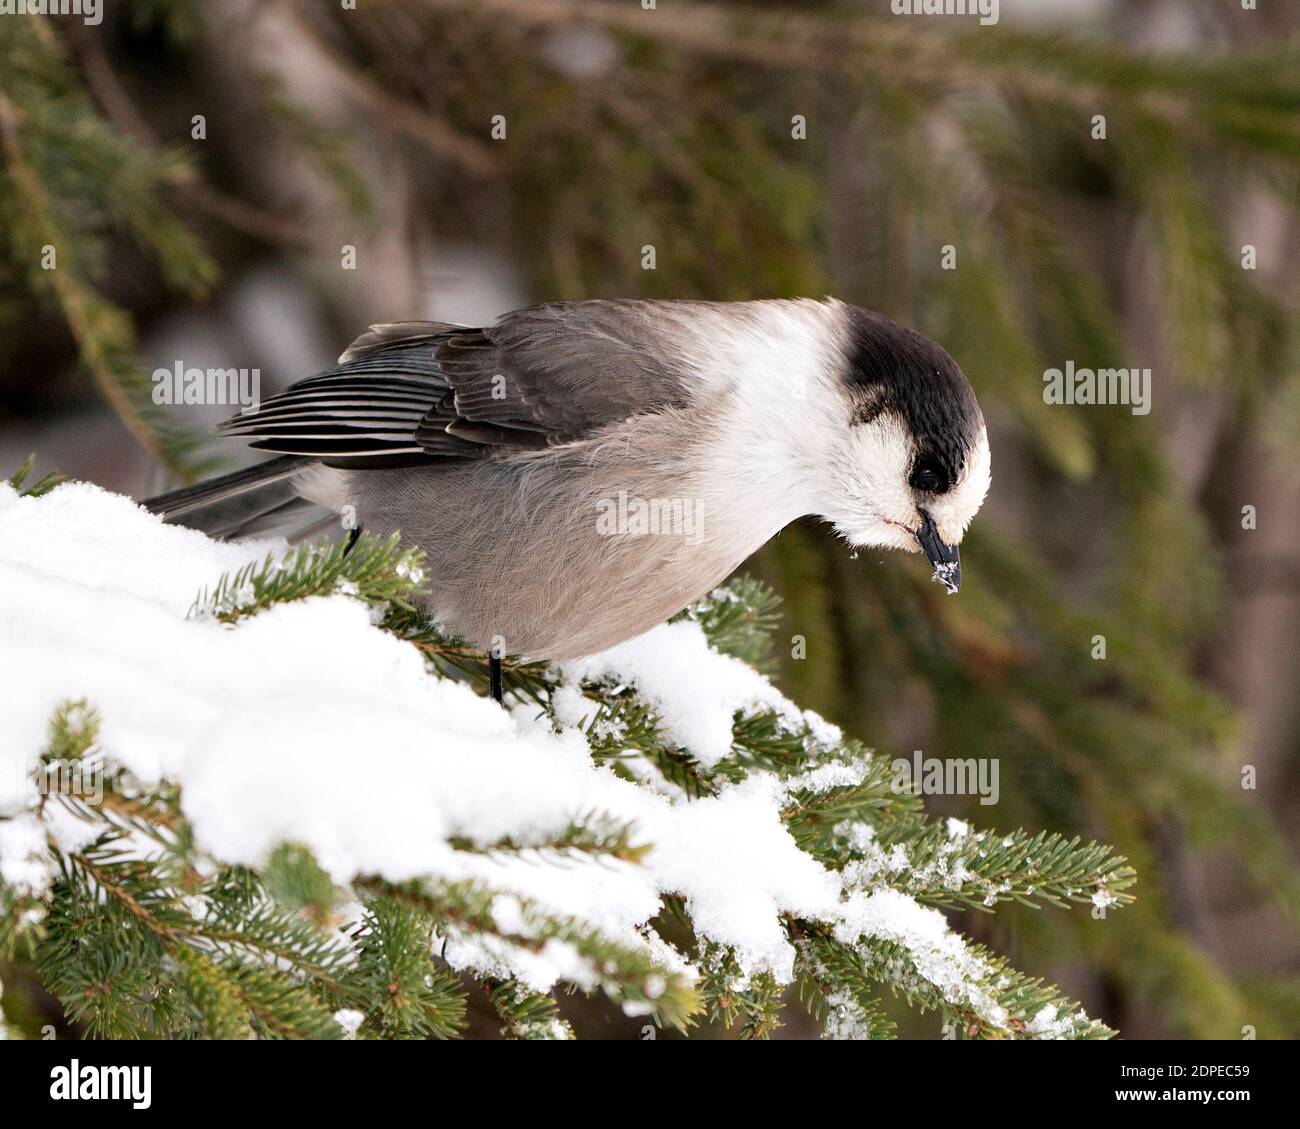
x: 929, y: 477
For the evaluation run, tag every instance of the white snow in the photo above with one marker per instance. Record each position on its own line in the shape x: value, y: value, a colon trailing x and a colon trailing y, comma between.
x: 957, y: 828
x: 23, y: 859
x: 1104, y: 899
x: 1048, y: 1024
x: 350, y: 1020
x: 307, y: 723
x: 694, y: 690
x: 939, y: 955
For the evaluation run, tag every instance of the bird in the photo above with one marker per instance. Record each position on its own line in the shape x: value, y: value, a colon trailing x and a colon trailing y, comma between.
x: 580, y: 471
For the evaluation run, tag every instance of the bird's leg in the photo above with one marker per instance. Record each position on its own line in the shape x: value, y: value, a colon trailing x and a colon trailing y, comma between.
x: 353, y: 534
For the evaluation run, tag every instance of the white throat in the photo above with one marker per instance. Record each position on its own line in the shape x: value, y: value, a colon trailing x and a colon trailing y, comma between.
x: 772, y: 384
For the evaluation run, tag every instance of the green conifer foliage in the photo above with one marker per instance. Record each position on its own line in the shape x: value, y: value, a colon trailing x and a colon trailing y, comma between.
x: 173, y: 942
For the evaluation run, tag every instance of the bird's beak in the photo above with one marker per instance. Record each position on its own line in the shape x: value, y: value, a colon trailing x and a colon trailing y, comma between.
x: 945, y: 558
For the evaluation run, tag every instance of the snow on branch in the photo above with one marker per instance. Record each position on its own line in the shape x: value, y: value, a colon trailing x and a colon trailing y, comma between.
x: 302, y: 792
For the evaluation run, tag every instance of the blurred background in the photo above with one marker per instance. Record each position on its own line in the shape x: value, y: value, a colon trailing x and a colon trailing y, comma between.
x: 249, y: 183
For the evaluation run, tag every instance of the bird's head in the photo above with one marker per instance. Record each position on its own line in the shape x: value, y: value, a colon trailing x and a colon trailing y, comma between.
x: 912, y: 464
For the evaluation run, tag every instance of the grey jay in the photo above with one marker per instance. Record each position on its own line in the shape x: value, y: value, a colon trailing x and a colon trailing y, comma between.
x: 581, y: 471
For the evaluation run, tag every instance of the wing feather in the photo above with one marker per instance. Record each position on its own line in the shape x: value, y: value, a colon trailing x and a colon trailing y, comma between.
x: 546, y: 375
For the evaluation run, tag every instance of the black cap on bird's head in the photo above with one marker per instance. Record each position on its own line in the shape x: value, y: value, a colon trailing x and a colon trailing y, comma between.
x: 926, y: 430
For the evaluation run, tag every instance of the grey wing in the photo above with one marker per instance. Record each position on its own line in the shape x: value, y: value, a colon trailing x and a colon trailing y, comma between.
x: 420, y: 391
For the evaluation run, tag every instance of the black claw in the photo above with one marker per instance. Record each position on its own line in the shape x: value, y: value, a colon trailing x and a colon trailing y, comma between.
x: 494, y: 675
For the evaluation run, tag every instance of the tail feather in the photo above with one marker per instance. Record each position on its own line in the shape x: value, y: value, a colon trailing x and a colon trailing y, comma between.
x: 203, y: 494
x: 235, y: 504
x: 278, y: 512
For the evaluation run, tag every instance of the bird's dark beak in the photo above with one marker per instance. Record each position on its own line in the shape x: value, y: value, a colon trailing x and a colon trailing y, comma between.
x: 945, y: 558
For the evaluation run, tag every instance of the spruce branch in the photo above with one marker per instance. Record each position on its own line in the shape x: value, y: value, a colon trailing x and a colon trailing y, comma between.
x: 630, y: 976
x: 755, y: 1002
x: 42, y: 485
x: 592, y: 836
x: 980, y: 869
x: 63, y: 167
x: 992, y: 1001
x: 452, y: 657
x: 1251, y: 99
x: 415, y: 122
x: 396, y: 980
x: 836, y: 989
x: 141, y: 936
x: 525, y: 1014
x: 739, y: 619
x: 377, y: 571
